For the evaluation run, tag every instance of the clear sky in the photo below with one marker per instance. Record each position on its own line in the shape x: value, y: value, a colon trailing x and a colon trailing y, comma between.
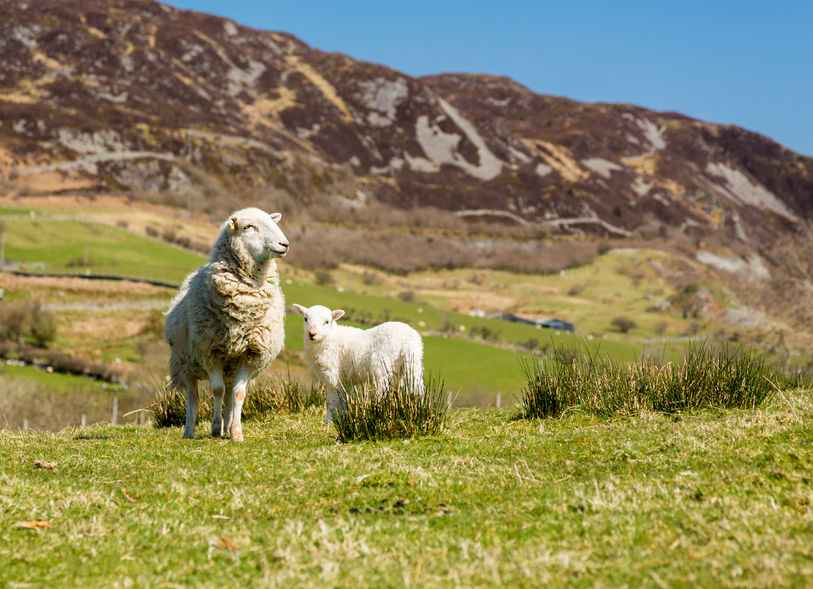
x: 744, y: 62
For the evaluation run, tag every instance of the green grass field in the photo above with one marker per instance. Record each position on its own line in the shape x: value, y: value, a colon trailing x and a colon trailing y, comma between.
x: 715, y: 498
x: 477, y: 369
x: 74, y: 246
x: 53, y: 381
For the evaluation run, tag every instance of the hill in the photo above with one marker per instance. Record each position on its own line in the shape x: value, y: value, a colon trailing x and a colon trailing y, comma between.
x: 135, y: 95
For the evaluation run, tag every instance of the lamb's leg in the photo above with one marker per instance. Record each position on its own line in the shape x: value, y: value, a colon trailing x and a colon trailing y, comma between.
x: 191, y: 408
x: 332, y: 404
x: 240, y: 390
x: 218, y: 389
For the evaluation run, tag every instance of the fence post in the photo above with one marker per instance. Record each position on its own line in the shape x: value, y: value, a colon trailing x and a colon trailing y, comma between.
x: 498, y: 401
x: 83, y: 421
x: 115, y: 417
x: 25, y: 425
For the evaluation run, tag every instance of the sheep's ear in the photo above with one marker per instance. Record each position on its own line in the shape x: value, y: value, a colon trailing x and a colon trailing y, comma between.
x: 276, y: 217
x: 337, y: 314
x: 234, y: 225
x: 299, y: 309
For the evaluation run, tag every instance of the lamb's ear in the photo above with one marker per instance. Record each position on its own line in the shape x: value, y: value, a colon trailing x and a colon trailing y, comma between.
x: 299, y: 309
x: 337, y: 314
x: 276, y: 217
x: 234, y: 225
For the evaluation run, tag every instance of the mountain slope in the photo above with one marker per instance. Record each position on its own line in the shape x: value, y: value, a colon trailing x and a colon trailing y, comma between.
x: 135, y: 95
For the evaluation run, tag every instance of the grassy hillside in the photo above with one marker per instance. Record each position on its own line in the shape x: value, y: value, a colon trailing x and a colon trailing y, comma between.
x: 52, y: 245
x: 53, y: 242
x: 704, y: 499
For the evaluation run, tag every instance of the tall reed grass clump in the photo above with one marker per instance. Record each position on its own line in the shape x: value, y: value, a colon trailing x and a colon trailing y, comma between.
x: 399, y: 411
x: 264, y: 398
x: 706, y: 376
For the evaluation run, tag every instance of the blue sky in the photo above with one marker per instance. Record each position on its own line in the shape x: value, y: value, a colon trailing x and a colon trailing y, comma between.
x: 748, y: 63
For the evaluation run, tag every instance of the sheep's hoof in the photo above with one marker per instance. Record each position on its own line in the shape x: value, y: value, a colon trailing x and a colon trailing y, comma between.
x: 216, y: 433
x: 237, y: 436
x: 188, y: 435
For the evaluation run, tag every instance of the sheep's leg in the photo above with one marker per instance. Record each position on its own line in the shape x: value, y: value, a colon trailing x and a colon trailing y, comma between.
x: 240, y: 390
x: 191, y: 408
x: 218, y: 390
x: 228, y: 408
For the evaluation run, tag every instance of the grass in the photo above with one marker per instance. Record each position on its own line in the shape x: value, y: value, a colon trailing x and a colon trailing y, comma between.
x: 715, y: 498
x: 264, y: 398
x: 399, y: 411
x: 63, y: 383
x: 94, y: 247
x: 706, y: 376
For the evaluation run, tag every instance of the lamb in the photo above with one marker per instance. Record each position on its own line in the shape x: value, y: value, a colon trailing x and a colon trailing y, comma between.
x: 227, y: 321
x: 339, y: 354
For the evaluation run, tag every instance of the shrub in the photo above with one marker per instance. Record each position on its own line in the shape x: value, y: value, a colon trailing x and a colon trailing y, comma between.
x: 152, y: 231
x: 407, y: 296
x: 397, y: 412
x: 370, y: 278
x: 323, y: 278
x: 484, y: 332
x: 26, y: 320
x: 264, y: 398
x: 530, y: 344
x: 706, y: 376
x: 154, y: 325
x: 43, y: 326
x: 623, y: 324
x: 576, y: 290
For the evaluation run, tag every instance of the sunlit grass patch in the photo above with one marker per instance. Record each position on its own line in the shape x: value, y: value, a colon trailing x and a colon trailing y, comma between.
x: 399, y: 411
x: 706, y: 376
x: 264, y: 398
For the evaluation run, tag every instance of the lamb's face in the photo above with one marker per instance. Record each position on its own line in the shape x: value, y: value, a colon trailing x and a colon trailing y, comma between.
x: 259, y: 234
x: 319, y: 321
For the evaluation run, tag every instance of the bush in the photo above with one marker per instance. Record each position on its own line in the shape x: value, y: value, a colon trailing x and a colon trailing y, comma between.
x: 27, y: 321
x: 370, y: 278
x: 530, y: 344
x: 484, y: 332
x: 407, y: 296
x: 43, y: 326
x: 154, y: 325
x: 323, y: 278
x: 264, y: 398
x: 623, y: 324
x: 397, y: 412
x: 706, y: 376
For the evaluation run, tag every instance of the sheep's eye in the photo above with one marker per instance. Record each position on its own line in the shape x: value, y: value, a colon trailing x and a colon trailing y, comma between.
x: 326, y: 322
x: 252, y: 227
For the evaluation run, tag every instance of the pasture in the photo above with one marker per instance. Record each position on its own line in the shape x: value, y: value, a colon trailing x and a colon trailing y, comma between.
x: 705, y: 498
x: 477, y: 356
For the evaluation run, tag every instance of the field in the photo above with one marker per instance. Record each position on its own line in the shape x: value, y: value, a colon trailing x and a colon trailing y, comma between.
x: 104, y: 322
x: 714, y: 498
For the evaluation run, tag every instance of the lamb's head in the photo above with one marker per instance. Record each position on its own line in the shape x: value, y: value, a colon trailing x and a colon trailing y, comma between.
x: 319, y: 321
x: 253, y: 237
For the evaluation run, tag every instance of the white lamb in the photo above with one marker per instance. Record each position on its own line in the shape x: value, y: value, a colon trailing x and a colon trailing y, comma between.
x: 227, y: 321
x: 338, y: 354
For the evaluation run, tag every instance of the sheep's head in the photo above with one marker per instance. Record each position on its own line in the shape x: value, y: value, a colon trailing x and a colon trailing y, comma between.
x: 255, y: 234
x: 319, y: 321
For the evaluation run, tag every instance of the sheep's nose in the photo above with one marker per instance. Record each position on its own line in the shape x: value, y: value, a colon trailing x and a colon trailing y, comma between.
x: 284, y: 244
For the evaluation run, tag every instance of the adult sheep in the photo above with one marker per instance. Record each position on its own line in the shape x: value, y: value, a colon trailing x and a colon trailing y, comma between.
x: 227, y: 321
x: 340, y: 354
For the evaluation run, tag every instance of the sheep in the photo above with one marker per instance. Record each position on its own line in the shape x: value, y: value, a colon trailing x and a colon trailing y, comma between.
x: 339, y: 354
x: 227, y: 321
